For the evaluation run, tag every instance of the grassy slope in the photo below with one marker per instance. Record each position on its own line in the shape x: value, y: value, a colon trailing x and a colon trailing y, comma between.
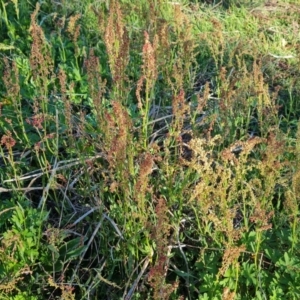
x: 149, y: 150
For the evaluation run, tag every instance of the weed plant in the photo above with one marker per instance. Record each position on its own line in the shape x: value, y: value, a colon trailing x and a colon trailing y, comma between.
x: 149, y: 149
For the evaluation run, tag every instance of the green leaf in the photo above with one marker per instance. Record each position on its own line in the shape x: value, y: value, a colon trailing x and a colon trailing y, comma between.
x: 71, y: 249
x: 6, y: 47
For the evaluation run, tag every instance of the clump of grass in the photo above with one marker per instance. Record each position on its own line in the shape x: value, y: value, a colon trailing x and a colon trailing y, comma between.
x: 148, y: 151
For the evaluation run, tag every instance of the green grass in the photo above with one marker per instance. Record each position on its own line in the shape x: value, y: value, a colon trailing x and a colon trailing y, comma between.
x: 149, y: 150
